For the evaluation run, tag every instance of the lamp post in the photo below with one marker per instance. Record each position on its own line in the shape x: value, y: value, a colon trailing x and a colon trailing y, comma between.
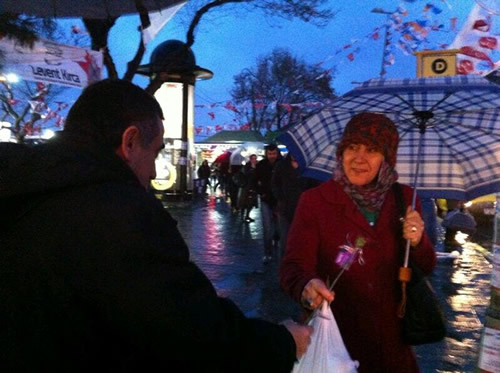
x: 386, y: 36
x: 173, y: 73
x: 5, y: 131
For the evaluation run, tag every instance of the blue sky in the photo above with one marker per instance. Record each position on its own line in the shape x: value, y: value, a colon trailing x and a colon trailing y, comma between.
x: 230, y: 42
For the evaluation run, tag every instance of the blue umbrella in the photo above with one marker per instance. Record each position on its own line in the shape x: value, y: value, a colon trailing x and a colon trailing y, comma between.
x: 449, y: 130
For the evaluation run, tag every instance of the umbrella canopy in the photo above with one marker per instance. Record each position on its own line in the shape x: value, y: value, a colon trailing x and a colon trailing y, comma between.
x: 97, y: 9
x: 223, y: 158
x: 241, y: 154
x: 237, y: 158
x: 449, y: 130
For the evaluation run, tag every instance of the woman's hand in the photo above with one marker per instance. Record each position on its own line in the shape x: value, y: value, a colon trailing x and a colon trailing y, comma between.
x: 314, y: 293
x: 413, y: 227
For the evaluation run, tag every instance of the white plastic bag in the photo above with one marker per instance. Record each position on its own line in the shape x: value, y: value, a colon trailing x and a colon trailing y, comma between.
x: 327, y: 352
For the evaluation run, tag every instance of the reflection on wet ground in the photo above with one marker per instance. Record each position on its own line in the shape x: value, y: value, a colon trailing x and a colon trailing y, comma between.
x: 229, y: 251
x: 463, y: 286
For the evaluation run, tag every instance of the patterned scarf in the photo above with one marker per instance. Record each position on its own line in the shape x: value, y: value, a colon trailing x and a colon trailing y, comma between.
x: 370, y: 196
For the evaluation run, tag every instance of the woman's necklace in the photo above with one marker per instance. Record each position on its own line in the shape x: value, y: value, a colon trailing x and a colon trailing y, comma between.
x: 370, y: 216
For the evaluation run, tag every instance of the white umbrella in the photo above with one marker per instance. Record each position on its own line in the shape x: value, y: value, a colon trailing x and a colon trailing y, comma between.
x: 237, y: 158
x: 241, y: 154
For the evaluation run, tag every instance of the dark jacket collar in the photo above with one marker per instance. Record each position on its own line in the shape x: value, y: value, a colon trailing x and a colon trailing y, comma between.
x: 62, y: 163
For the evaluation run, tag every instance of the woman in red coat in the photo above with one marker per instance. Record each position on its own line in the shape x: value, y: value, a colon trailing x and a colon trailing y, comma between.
x: 359, y: 202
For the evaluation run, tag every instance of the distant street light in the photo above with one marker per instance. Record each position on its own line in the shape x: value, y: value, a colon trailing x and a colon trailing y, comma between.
x: 10, y: 78
x: 5, y: 131
x: 386, y: 35
x: 48, y: 134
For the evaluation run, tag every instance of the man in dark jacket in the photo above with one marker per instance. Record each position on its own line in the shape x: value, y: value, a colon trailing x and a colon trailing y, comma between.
x: 287, y: 185
x: 269, y: 214
x: 95, y: 274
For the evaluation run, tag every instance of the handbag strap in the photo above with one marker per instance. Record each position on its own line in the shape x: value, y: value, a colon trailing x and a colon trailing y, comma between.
x: 404, y: 272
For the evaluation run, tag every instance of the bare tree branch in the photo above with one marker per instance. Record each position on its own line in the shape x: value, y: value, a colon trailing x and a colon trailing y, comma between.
x: 279, y: 81
x: 99, y: 32
x: 197, y: 17
x: 306, y: 10
x: 135, y: 62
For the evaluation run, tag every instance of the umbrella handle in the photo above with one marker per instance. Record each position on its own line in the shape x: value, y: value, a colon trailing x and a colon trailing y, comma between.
x: 404, y: 277
x: 407, y: 254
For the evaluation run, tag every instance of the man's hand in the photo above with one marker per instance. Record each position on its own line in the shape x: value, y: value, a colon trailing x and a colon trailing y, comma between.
x: 301, y: 335
x: 314, y: 293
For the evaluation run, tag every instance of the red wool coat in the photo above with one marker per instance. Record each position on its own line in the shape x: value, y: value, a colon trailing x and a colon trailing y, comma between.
x: 366, y: 296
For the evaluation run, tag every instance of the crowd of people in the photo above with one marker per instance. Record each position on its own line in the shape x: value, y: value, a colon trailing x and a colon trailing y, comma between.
x: 96, y: 275
x: 272, y: 184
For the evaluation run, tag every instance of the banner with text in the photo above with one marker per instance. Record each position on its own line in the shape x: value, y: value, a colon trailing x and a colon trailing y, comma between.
x: 51, y: 63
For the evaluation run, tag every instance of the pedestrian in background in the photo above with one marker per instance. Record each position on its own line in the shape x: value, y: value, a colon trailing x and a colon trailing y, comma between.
x: 247, y: 181
x: 429, y: 215
x: 359, y: 202
x: 95, y: 274
x: 287, y: 185
x: 452, y: 206
x: 204, y: 175
x: 220, y: 171
x: 268, y: 203
x: 234, y: 171
x: 457, y: 219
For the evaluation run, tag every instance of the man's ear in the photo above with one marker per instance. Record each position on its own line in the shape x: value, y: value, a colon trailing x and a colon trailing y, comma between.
x: 131, y: 138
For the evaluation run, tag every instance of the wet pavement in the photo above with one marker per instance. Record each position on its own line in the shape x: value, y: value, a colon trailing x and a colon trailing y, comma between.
x: 230, y: 252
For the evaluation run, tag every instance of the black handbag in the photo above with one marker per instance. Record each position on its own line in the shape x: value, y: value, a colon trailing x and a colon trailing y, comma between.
x: 422, y: 318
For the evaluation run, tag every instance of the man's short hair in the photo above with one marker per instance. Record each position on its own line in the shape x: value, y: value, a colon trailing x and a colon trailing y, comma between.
x: 106, y: 108
x: 271, y: 147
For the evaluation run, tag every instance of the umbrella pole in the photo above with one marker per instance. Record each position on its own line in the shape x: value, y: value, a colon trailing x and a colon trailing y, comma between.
x: 404, y: 271
x: 417, y: 170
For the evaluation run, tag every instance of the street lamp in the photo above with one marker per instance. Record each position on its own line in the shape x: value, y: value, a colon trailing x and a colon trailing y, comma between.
x: 5, y: 131
x: 173, y: 73
x: 386, y: 36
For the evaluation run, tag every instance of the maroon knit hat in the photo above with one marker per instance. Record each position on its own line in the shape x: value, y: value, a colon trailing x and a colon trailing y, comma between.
x: 371, y: 129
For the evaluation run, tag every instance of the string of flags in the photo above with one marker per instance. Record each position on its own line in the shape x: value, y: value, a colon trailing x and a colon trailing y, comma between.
x: 475, y: 41
x: 49, y: 113
x: 400, y: 34
x: 412, y: 35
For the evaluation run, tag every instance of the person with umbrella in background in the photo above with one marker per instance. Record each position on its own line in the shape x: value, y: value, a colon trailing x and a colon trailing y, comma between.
x: 359, y: 202
x: 236, y: 162
x: 220, y: 172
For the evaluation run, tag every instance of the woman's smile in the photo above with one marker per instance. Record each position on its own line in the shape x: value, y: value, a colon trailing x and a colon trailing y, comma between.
x: 361, y: 163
